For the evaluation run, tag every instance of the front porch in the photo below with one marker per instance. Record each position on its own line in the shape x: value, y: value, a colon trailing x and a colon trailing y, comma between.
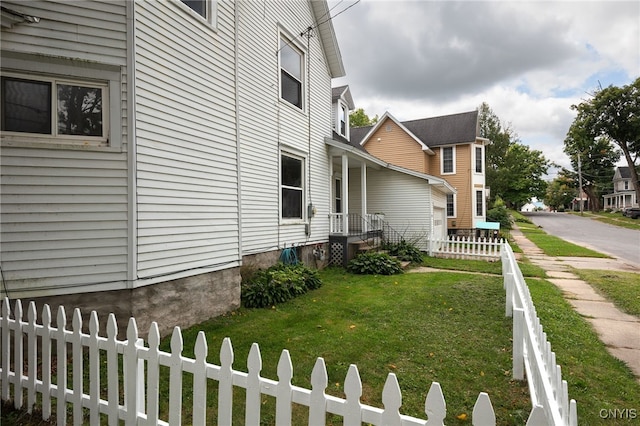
x: 351, y: 233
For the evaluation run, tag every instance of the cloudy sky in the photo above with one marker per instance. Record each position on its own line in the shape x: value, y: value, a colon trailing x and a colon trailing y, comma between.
x: 529, y: 60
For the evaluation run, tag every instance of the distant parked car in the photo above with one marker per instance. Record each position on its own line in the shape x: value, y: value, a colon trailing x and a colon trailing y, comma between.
x: 632, y: 212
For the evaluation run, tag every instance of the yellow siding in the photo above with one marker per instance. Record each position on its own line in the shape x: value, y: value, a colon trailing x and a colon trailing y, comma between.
x: 461, y: 181
x: 393, y: 145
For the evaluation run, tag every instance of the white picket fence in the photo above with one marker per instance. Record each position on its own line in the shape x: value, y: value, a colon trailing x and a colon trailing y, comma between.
x: 532, y: 351
x: 461, y: 247
x: 133, y: 370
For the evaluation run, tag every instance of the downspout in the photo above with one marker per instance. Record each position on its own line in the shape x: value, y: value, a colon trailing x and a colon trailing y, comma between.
x: 132, y: 201
x: 236, y: 81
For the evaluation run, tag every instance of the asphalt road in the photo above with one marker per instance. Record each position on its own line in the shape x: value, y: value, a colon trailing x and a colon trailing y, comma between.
x: 612, y: 240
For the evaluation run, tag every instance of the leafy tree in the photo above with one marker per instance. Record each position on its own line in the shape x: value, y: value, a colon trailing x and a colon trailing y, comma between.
x: 514, y: 172
x: 613, y: 113
x: 359, y: 118
x: 561, y: 191
x: 598, y: 158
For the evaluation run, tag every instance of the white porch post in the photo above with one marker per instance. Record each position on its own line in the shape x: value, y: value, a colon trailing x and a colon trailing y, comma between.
x: 363, y: 195
x: 345, y: 193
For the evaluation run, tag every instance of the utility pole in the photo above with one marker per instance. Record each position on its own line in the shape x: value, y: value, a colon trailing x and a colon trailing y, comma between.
x: 580, y: 185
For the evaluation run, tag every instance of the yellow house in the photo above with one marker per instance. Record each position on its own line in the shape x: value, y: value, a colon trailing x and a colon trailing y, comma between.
x: 448, y: 147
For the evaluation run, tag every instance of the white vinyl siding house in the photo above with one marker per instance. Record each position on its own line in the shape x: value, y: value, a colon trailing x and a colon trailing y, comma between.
x: 177, y: 179
x: 272, y: 127
x: 187, y: 187
x: 64, y: 203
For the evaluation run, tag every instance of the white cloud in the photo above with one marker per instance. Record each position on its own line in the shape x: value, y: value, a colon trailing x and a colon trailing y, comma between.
x: 530, y: 61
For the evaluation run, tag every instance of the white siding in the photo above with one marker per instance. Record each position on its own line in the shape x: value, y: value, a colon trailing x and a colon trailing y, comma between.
x: 187, y: 189
x: 88, y: 30
x: 268, y: 124
x: 406, y: 202
x: 63, y: 211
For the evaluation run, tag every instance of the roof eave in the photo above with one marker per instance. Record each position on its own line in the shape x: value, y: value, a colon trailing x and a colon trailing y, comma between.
x: 327, y: 37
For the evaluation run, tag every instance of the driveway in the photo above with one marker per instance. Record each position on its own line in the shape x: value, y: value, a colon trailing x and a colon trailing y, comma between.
x: 621, y: 243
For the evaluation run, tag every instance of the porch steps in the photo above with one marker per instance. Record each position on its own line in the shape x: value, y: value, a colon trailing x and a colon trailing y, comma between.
x: 373, y: 244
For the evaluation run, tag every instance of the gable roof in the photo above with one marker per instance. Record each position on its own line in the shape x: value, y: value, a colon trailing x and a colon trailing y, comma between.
x: 625, y: 173
x: 434, y: 131
x: 342, y: 92
x: 388, y: 116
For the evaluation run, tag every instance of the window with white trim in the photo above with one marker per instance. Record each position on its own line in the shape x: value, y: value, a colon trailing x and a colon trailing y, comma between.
x: 60, y: 109
x: 479, y: 159
x: 291, y: 60
x: 479, y: 203
x: 292, y: 187
x: 451, y: 205
x: 448, y: 160
x: 343, y: 119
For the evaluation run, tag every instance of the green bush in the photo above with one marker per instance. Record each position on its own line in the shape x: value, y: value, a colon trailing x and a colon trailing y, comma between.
x: 374, y: 263
x: 277, y: 284
x: 404, y: 251
x: 499, y: 213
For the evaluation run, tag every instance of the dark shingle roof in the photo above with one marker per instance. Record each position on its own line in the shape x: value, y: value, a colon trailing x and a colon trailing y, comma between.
x: 445, y: 130
x: 435, y: 131
x: 625, y: 173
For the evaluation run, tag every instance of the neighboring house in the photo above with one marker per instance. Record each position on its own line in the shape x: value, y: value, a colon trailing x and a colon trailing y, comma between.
x: 624, y: 194
x: 534, y: 206
x: 151, y: 148
x: 368, y: 193
x: 447, y: 147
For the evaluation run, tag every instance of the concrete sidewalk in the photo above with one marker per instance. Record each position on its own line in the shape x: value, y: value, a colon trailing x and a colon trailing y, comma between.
x: 620, y: 332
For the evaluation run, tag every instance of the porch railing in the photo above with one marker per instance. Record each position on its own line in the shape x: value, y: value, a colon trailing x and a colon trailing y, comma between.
x: 354, y: 223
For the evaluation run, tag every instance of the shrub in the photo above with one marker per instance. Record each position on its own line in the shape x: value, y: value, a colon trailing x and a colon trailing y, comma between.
x: 405, y: 251
x: 278, y: 284
x: 373, y: 263
x: 499, y: 213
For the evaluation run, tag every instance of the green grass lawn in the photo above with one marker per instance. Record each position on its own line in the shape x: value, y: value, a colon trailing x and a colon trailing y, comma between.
x: 443, y: 327
x: 622, y: 288
x: 596, y: 380
x: 481, y: 266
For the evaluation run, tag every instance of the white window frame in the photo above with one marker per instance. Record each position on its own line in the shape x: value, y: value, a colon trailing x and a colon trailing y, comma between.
x: 453, y: 155
x: 302, y: 188
x: 337, y: 194
x: 211, y: 11
x: 63, y: 138
x: 40, y: 68
x: 479, y: 202
x: 481, y: 158
x: 446, y: 208
x: 286, y: 41
x: 342, y: 109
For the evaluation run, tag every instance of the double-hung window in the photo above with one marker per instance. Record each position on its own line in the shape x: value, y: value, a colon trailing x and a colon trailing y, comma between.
x: 58, y: 109
x: 479, y: 203
x: 292, y: 187
x: 451, y: 206
x: 479, y: 159
x: 291, y: 69
x: 342, y: 117
x: 448, y: 160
